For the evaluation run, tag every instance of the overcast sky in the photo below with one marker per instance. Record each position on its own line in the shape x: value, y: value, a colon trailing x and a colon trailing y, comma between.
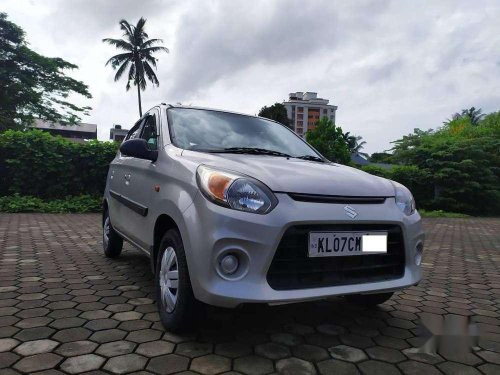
x: 389, y: 66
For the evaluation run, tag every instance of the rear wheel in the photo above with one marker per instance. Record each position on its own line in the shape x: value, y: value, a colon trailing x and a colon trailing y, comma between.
x: 368, y: 299
x: 174, y: 295
x: 112, y: 243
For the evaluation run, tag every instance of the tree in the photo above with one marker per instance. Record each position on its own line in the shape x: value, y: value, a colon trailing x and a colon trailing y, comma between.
x: 462, y: 162
x: 329, y: 141
x: 381, y: 157
x: 474, y: 115
x: 138, y: 56
x: 32, y: 85
x: 276, y: 112
x: 353, y: 143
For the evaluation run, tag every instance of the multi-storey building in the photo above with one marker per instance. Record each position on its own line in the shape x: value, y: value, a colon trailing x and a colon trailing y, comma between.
x: 117, y: 134
x: 77, y: 133
x: 304, y: 109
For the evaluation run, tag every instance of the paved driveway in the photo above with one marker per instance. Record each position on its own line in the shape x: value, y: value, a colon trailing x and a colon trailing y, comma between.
x: 65, y: 308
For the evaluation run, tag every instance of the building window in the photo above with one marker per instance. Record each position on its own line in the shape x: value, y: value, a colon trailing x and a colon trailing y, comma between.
x: 325, y: 111
x: 300, y: 109
x: 300, y: 123
x: 300, y: 116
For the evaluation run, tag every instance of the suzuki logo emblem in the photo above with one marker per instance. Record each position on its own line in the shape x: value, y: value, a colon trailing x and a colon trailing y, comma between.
x: 350, y: 211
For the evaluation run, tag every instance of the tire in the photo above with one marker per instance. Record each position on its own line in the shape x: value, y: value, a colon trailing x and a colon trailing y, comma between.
x: 112, y: 243
x: 177, y: 307
x: 368, y: 299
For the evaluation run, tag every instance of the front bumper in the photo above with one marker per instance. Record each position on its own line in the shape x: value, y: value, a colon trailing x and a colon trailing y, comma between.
x: 215, y: 230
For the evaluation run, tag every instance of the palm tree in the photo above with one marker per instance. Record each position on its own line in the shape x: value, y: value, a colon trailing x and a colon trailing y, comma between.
x: 354, y: 144
x: 138, y: 56
x: 475, y: 116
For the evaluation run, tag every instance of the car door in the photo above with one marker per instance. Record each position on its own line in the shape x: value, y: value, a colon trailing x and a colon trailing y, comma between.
x: 139, y: 186
x: 117, y: 173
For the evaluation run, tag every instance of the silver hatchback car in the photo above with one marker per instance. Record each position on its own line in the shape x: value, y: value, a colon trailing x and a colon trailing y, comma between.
x: 235, y: 209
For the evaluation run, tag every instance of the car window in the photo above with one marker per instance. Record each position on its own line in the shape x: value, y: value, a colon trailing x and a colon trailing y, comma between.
x: 208, y: 130
x: 150, y: 133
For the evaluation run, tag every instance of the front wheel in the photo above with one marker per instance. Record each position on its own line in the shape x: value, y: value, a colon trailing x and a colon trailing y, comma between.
x: 368, y: 299
x: 112, y: 243
x: 174, y: 295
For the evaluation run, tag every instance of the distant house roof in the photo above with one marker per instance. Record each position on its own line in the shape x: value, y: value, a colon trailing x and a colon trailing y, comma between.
x: 358, y: 159
x: 81, y: 127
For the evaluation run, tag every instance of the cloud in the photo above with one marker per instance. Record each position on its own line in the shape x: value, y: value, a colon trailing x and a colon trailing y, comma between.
x: 390, y: 66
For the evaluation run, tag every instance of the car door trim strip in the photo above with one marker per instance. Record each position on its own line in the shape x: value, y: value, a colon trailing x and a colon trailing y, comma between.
x: 133, y: 205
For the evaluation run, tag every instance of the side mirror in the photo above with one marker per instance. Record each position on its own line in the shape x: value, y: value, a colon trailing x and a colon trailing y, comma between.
x: 138, y: 148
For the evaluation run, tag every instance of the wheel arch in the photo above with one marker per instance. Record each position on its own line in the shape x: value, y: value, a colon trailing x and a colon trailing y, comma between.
x: 163, y: 223
x: 104, y: 209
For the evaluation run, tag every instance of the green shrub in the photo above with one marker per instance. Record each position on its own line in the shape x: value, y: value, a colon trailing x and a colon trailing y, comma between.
x: 377, y: 171
x: 440, y: 213
x: 80, y: 204
x: 35, y: 163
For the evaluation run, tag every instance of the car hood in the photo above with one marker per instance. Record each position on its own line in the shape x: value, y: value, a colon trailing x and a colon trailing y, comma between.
x: 298, y: 176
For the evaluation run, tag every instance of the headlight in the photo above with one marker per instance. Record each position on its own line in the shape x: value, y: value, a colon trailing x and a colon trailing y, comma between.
x: 235, y: 191
x: 404, y: 199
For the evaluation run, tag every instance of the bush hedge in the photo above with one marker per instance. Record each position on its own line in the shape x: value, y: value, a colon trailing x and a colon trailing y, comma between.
x: 35, y: 163
x: 81, y: 204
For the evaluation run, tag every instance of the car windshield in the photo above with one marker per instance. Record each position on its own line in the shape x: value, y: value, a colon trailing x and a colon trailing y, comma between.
x: 214, y: 131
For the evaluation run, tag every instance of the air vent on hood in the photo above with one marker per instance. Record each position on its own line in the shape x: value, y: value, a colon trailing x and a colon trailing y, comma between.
x: 315, y: 198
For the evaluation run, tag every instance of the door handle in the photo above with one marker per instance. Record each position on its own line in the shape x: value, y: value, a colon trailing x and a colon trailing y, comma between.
x: 127, y: 176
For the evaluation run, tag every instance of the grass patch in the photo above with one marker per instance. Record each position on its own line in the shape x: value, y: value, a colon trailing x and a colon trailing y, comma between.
x: 441, y: 213
x: 78, y: 204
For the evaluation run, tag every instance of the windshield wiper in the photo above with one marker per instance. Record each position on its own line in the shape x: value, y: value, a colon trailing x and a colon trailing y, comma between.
x: 310, y: 157
x: 250, y: 150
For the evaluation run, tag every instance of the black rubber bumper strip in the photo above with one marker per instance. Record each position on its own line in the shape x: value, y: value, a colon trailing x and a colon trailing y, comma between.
x: 134, y: 206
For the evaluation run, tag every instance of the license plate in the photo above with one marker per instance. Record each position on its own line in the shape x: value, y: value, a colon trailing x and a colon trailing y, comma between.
x: 338, y: 244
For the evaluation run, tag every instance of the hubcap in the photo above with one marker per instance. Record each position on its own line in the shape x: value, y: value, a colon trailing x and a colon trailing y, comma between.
x: 169, y: 278
x: 105, y: 232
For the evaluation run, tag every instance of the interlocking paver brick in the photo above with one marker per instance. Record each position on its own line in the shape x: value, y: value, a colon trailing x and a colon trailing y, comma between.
x: 72, y: 334
x: 115, y: 348
x: 108, y: 335
x: 272, y: 350
x: 36, y: 333
x: 36, y: 347
x: 8, y: 344
x: 7, y: 359
x: 155, y: 348
x: 378, y: 368
x: 347, y: 353
x: 144, y: 335
x: 38, y: 362
x: 385, y: 354
x: 82, y: 363
x: 125, y: 363
x: 233, y: 349
x: 310, y: 352
x: 418, y: 368
x: 295, y: 366
x: 193, y: 349
x: 453, y: 368
x: 67, y: 323
x: 76, y: 348
x: 211, y: 364
x: 253, y: 365
x: 100, y: 324
x: 168, y: 364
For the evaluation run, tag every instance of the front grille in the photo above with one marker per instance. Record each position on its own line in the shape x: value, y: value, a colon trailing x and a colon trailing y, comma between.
x: 291, y: 267
x: 337, y: 199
